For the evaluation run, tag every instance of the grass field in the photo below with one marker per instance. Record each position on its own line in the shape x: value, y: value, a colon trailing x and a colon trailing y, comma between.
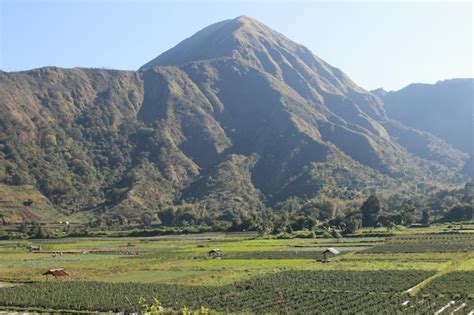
x: 283, y: 274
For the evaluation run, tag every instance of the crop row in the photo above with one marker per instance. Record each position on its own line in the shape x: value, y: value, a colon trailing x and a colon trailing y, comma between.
x: 452, y: 284
x: 367, y: 281
x: 291, y: 291
x: 437, y: 236
x: 427, y: 243
x: 274, y: 254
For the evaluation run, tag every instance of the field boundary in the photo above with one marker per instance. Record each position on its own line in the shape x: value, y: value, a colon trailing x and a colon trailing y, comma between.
x: 413, y: 291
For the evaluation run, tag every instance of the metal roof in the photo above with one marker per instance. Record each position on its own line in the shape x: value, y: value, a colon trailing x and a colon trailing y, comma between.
x: 56, y: 272
x: 332, y: 250
x: 215, y: 250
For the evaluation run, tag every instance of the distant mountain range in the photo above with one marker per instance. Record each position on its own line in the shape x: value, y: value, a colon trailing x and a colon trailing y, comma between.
x: 234, y: 119
x: 444, y: 109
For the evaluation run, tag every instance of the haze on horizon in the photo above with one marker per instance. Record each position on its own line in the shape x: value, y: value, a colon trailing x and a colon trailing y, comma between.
x: 387, y: 45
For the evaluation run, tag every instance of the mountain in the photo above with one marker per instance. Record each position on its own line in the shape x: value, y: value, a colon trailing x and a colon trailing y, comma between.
x: 444, y: 109
x: 231, y: 121
x: 380, y: 92
x: 468, y: 168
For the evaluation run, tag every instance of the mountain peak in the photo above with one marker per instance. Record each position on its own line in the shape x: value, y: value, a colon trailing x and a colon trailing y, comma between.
x: 380, y: 92
x: 247, y: 22
x: 255, y: 45
x: 245, y: 19
x: 220, y: 39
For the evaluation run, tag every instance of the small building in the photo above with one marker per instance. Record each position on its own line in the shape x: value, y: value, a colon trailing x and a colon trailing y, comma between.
x: 419, y: 225
x: 215, y: 253
x: 331, y: 251
x: 34, y: 248
x: 28, y: 203
x: 58, y: 272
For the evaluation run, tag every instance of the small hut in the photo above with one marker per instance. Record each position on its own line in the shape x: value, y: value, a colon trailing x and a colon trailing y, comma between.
x: 28, y: 202
x: 34, y: 248
x: 419, y: 225
x: 215, y: 253
x: 331, y: 251
x: 58, y: 272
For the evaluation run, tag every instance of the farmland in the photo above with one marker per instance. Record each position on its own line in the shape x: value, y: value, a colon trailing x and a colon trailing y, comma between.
x: 372, y: 274
x: 296, y: 290
x: 426, y: 243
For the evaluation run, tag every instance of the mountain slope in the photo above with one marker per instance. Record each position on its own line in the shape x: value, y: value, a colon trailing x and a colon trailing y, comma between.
x: 468, y: 168
x: 60, y: 129
x: 321, y: 99
x: 232, y: 120
x: 444, y: 109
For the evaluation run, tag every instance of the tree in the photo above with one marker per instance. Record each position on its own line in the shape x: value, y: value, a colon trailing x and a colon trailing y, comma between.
x: 425, y: 216
x: 146, y: 219
x: 408, y: 216
x: 24, y: 228
x: 186, y: 215
x: 352, y: 221
x: 123, y: 220
x: 51, y: 140
x: 291, y: 205
x: 280, y: 223
x: 321, y: 208
x: 459, y: 213
x: 327, y: 208
x: 40, y: 232
x: 335, y: 233
x: 248, y: 223
x: 236, y: 223
x: 370, y: 210
x: 299, y: 223
x: 264, y: 226
x: 168, y: 216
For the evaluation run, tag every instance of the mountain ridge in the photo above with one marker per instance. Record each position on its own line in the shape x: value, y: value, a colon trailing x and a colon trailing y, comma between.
x: 262, y: 121
x: 425, y: 107
x: 437, y: 97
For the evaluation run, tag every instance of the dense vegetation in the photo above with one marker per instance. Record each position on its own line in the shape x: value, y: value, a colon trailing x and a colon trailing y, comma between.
x: 293, y: 218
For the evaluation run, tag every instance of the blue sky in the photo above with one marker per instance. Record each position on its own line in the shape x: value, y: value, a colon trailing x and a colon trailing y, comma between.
x: 378, y: 44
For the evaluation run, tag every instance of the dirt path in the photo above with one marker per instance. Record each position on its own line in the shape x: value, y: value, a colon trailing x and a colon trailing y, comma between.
x: 7, y: 284
x: 452, y: 266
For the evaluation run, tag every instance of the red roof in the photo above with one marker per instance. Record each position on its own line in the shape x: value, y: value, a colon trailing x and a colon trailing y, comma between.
x: 56, y: 272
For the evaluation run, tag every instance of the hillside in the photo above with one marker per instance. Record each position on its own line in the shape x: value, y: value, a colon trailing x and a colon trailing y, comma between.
x: 443, y: 109
x: 25, y: 203
x: 233, y: 120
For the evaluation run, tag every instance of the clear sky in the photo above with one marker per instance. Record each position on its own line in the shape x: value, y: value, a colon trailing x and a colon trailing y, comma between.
x: 378, y: 44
